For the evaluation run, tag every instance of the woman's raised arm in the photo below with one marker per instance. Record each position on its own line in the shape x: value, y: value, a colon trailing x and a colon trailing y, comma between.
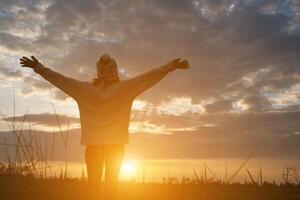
x: 140, y: 83
x: 70, y: 86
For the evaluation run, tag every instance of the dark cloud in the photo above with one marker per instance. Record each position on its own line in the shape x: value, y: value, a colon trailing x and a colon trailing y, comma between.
x: 45, y: 119
x: 271, y: 135
x: 256, y: 103
x: 166, y: 120
x: 256, y: 123
x: 268, y: 134
x: 219, y: 106
x: 13, y: 43
x: 37, y: 83
x: 10, y: 74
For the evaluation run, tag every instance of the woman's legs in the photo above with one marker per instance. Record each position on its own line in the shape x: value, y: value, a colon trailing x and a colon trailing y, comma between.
x: 112, y: 155
x: 113, y: 161
x: 94, y: 156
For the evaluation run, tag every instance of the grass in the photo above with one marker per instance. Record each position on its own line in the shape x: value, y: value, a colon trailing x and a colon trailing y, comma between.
x: 21, y: 187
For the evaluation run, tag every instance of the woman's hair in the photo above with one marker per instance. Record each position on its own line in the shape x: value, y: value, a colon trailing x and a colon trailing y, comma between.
x: 98, y: 81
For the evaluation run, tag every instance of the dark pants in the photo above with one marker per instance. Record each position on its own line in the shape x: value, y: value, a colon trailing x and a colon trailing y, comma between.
x: 110, y: 156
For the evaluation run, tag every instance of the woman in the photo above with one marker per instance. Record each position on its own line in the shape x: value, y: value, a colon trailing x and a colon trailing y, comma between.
x: 104, y: 107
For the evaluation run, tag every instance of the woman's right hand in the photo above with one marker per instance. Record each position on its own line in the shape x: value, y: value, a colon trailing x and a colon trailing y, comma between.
x: 179, y: 63
x: 26, y: 62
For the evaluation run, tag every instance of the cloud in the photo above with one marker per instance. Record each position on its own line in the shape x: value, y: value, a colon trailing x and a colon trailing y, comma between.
x: 219, y: 106
x: 44, y: 119
x: 223, y: 41
x: 270, y: 135
x: 256, y: 103
x: 35, y: 85
x: 10, y: 74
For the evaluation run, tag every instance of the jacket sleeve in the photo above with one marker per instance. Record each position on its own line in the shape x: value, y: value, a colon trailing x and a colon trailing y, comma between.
x: 68, y: 85
x: 139, y: 84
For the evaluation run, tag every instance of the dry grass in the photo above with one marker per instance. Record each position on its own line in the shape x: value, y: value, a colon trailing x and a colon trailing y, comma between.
x: 19, y: 187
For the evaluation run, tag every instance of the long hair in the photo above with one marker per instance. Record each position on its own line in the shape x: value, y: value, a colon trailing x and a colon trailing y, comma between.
x: 98, y: 81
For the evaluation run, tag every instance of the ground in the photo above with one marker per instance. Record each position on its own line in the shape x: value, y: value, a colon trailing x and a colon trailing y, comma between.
x: 18, y: 187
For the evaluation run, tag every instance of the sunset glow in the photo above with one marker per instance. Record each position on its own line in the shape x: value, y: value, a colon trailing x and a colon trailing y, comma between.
x: 129, y: 169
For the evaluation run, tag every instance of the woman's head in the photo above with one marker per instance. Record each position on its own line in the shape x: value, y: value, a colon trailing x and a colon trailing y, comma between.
x: 107, y: 70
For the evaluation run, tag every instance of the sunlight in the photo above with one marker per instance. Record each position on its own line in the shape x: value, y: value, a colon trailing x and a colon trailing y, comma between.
x: 128, y: 169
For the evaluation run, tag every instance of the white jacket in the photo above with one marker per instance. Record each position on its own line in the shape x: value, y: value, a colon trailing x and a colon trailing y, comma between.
x: 104, y: 112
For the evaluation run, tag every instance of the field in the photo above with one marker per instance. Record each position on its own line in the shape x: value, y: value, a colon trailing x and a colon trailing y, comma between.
x: 20, y: 187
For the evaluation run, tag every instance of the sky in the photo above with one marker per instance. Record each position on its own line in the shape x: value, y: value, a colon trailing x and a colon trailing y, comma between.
x: 240, y: 95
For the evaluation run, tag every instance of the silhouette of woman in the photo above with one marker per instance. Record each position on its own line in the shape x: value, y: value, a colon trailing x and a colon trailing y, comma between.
x: 104, y: 107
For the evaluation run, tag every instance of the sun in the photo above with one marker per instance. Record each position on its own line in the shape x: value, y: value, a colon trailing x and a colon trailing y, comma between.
x: 128, y: 169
